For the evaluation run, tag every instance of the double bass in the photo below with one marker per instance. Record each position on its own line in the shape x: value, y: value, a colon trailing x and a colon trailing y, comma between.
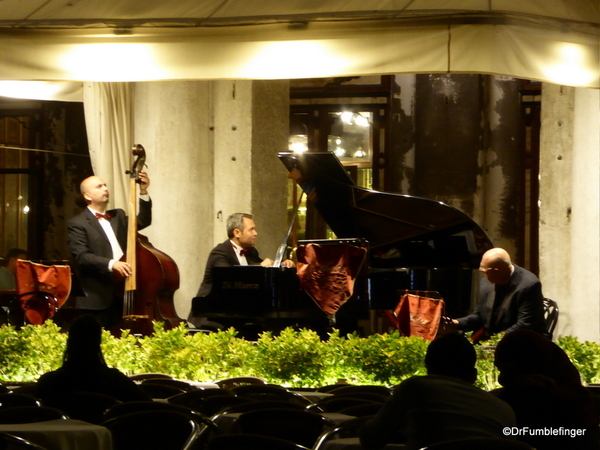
x: 148, y: 291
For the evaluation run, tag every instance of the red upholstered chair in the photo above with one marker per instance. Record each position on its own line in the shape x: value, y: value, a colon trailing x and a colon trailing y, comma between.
x: 42, y: 288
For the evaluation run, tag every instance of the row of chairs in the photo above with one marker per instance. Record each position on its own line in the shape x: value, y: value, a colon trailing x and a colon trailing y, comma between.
x: 261, y: 422
x: 269, y: 410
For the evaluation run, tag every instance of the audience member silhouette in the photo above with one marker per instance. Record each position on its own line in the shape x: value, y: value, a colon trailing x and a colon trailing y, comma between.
x: 84, y: 368
x: 553, y: 409
x: 441, y: 406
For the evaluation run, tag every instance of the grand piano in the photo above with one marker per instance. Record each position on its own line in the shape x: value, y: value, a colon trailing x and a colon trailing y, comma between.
x: 412, y: 244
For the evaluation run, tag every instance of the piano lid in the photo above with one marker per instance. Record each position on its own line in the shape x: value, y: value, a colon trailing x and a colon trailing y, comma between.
x: 379, y: 217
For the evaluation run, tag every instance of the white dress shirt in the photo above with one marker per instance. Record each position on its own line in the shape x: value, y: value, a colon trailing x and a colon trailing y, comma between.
x: 112, y: 239
x: 241, y: 258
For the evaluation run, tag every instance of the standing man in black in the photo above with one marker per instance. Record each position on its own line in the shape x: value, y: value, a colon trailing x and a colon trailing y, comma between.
x: 238, y: 250
x: 98, y: 240
x: 510, y: 298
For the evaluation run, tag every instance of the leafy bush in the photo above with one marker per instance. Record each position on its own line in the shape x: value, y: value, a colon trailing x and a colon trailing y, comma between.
x: 585, y: 356
x: 296, y: 358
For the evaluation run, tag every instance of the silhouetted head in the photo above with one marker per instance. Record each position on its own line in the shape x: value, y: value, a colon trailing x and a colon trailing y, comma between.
x: 14, y: 254
x: 83, y: 342
x: 452, y: 355
x: 525, y: 352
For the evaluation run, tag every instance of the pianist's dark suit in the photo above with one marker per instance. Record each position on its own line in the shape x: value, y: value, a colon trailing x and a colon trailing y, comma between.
x: 519, y: 305
x: 223, y: 255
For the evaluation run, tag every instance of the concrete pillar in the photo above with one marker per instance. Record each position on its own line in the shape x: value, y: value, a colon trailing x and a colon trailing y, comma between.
x: 212, y: 150
x: 498, y: 183
x: 569, y: 224
x: 172, y: 122
x: 402, y: 134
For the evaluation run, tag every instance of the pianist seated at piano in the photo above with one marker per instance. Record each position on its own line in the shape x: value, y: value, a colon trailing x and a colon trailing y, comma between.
x: 510, y: 298
x: 238, y: 250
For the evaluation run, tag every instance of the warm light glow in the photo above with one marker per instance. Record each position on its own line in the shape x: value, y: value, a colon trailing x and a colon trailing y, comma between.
x: 41, y: 90
x: 293, y: 59
x: 25, y: 209
x: 298, y: 143
x: 112, y: 62
x: 361, y: 121
x: 352, y: 118
x: 571, y: 66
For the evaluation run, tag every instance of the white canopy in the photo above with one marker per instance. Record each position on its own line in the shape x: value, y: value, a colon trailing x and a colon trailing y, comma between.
x: 130, y: 40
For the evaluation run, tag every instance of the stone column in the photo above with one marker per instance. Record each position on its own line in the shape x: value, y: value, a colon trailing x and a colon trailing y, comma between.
x: 569, y: 237
x: 212, y: 150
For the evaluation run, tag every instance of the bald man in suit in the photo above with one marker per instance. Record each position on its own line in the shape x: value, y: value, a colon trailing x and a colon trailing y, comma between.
x: 510, y: 298
x: 97, y: 240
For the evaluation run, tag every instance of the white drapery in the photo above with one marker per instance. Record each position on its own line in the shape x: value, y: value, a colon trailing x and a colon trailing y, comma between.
x: 108, y: 111
x: 557, y: 42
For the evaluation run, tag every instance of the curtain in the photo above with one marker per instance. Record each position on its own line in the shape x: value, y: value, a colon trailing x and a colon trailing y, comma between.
x: 108, y: 111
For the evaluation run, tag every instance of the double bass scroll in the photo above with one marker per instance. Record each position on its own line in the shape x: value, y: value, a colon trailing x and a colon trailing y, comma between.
x: 148, y: 291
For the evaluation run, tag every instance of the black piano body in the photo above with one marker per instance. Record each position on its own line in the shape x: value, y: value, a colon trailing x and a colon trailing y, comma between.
x: 253, y: 299
x: 413, y: 244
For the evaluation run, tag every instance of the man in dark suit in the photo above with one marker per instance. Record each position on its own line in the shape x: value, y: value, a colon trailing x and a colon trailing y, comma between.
x: 510, y: 298
x: 98, y: 239
x: 238, y: 250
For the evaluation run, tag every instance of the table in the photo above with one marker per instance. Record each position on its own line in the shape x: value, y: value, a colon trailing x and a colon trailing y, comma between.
x: 62, y: 434
x: 353, y: 443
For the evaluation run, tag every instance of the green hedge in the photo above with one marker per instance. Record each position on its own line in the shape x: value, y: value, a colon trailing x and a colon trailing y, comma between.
x: 293, y: 358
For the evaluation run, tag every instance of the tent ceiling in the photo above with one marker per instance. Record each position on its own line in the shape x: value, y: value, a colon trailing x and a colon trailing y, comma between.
x: 130, y: 40
x: 75, y: 13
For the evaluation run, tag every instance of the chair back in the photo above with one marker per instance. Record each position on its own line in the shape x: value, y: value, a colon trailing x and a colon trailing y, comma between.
x: 166, y: 430
x: 42, y: 288
x: 230, y: 383
x: 207, y: 405
x: 243, y: 441
x: 336, y: 404
x: 151, y: 375
x: 30, y: 414
x: 300, y: 427
x: 270, y: 392
x: 347, y: 429
x: 86, y: 406
x: 367, y: 388
x: 187, y: 387
x: 550, y: 316
x: 365, y: 409
x: 124, y: 408
x: 160, y: 391
x: 480, y: 443
x: 10, y: 442
x: 9, y: 400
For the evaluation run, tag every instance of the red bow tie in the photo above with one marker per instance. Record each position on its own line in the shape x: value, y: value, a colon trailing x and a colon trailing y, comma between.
x: 105, y: 216
x: 242, y: 251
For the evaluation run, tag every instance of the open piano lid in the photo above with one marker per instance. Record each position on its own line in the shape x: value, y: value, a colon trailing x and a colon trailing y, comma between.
x: 386, y: 219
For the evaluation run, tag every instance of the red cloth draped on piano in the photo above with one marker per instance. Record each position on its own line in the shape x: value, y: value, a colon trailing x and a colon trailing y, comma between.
x: 327, y: 272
